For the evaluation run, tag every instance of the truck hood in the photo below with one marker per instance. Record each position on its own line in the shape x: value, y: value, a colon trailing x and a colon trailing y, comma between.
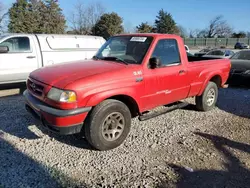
x: 60, y: 75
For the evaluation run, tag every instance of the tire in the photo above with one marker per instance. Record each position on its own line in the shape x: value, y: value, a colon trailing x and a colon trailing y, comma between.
x: 202, y: 102
x: 102, y: 120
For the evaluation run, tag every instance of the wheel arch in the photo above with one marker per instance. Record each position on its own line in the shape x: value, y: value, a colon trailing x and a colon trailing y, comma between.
x: 216, y: 78
x: 129, y: 102
x: 125, y: 96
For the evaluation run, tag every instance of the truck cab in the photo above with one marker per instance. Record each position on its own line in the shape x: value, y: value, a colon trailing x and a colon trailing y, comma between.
x: 128, y: 77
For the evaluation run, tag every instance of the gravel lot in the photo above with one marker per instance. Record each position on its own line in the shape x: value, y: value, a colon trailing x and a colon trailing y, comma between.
x: 184, y: 148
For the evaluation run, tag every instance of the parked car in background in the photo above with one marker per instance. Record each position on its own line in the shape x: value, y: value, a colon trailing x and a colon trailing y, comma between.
x: 100, y: 97
x: 20, y: 54
x: 240, y: 45
x: 219, y: 53
x: 187, y: 48
x: 240, y: 70
x: 203, y: 52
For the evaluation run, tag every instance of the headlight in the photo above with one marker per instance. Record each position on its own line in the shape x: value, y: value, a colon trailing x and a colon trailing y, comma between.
x: 61, y: 95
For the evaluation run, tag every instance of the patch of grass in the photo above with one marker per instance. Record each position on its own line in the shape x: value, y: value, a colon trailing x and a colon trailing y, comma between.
x: 64, y: 180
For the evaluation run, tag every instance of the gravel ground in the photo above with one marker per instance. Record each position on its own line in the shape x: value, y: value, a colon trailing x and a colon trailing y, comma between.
x: 184, y: 148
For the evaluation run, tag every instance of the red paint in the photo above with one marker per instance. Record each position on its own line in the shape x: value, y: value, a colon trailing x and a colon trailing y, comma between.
x: 96, y: 80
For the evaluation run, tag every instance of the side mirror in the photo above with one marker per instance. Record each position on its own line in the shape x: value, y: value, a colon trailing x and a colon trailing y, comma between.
x: 4, y: 49
x: 154, y: 62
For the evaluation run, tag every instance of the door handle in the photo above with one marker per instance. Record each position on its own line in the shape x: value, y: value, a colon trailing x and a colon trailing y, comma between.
x: 182, y: 71
x: 31, y: 57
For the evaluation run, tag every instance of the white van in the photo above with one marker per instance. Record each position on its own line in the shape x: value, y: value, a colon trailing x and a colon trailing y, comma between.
x: 20, y: 54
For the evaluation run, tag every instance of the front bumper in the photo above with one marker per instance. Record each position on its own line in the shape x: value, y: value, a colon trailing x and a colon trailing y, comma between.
x: 64, y: 122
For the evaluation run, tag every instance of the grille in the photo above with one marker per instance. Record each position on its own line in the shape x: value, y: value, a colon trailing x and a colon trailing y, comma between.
x: 35, y: 88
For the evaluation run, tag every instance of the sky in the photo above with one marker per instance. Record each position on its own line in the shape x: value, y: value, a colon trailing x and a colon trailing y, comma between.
x: 191, y: 14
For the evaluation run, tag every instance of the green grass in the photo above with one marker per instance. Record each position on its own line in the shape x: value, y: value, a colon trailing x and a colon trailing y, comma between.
x: 62, y: 179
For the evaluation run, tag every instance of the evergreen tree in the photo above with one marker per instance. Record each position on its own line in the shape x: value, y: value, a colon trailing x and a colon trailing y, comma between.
x: 52, y: 19
x: 165, y: 23
x: 108, y: 25
x: 22, y: 18
x: 36, y: 16
x: 144, y: 27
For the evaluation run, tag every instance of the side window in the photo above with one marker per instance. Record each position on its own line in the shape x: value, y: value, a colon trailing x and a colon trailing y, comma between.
x: 229, y: 53
x: 211, y: 53
x: 216, y: 52
x: 17, y: 44
x: 167, y: 51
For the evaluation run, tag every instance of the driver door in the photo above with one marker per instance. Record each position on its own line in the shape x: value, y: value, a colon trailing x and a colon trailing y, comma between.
x: 169, y: 82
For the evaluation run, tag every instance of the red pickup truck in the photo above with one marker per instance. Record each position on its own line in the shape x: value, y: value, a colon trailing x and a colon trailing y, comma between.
x: 128, y: 77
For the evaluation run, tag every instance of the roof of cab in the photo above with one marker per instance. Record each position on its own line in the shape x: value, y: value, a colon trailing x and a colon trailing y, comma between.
x: 149, y: 35
x: 44, y: 35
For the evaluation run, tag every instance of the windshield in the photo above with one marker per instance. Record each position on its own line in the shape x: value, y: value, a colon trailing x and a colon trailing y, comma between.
x: 129, y: 49
x: 244, y: 55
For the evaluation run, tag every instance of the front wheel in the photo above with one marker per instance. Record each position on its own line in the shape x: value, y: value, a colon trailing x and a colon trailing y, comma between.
x: 108, y: 125
x: 208, y: 99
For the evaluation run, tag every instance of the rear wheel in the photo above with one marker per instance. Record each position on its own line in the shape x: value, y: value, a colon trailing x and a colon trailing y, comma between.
x: 208, y: 99
x: 108, y: 125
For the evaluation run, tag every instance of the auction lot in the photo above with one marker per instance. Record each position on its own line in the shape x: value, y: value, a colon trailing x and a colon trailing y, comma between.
x: 197, y: 50
x: 184, y: 148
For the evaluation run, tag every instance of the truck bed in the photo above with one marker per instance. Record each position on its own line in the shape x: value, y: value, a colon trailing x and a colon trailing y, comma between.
x: 193, y: 58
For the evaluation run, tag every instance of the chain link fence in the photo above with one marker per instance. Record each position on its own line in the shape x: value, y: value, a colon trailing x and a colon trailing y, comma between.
x: 215, y: 42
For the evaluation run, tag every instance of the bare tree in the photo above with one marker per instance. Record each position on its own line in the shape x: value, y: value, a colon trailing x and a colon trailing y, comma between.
x: 192, y: 33
x: 3, y: 16
x: 84, y: 17
x: 182, y: 31
x: 218, y: 28
x: 129, y: 27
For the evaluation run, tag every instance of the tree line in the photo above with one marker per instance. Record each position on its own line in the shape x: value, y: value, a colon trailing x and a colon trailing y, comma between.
x: 46, y: 16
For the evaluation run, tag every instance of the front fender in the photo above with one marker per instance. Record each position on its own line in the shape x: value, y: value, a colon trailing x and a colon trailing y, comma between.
x: 97, y: 98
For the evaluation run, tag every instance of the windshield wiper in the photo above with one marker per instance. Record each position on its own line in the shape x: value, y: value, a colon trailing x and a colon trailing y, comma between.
x: 116, y: 59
